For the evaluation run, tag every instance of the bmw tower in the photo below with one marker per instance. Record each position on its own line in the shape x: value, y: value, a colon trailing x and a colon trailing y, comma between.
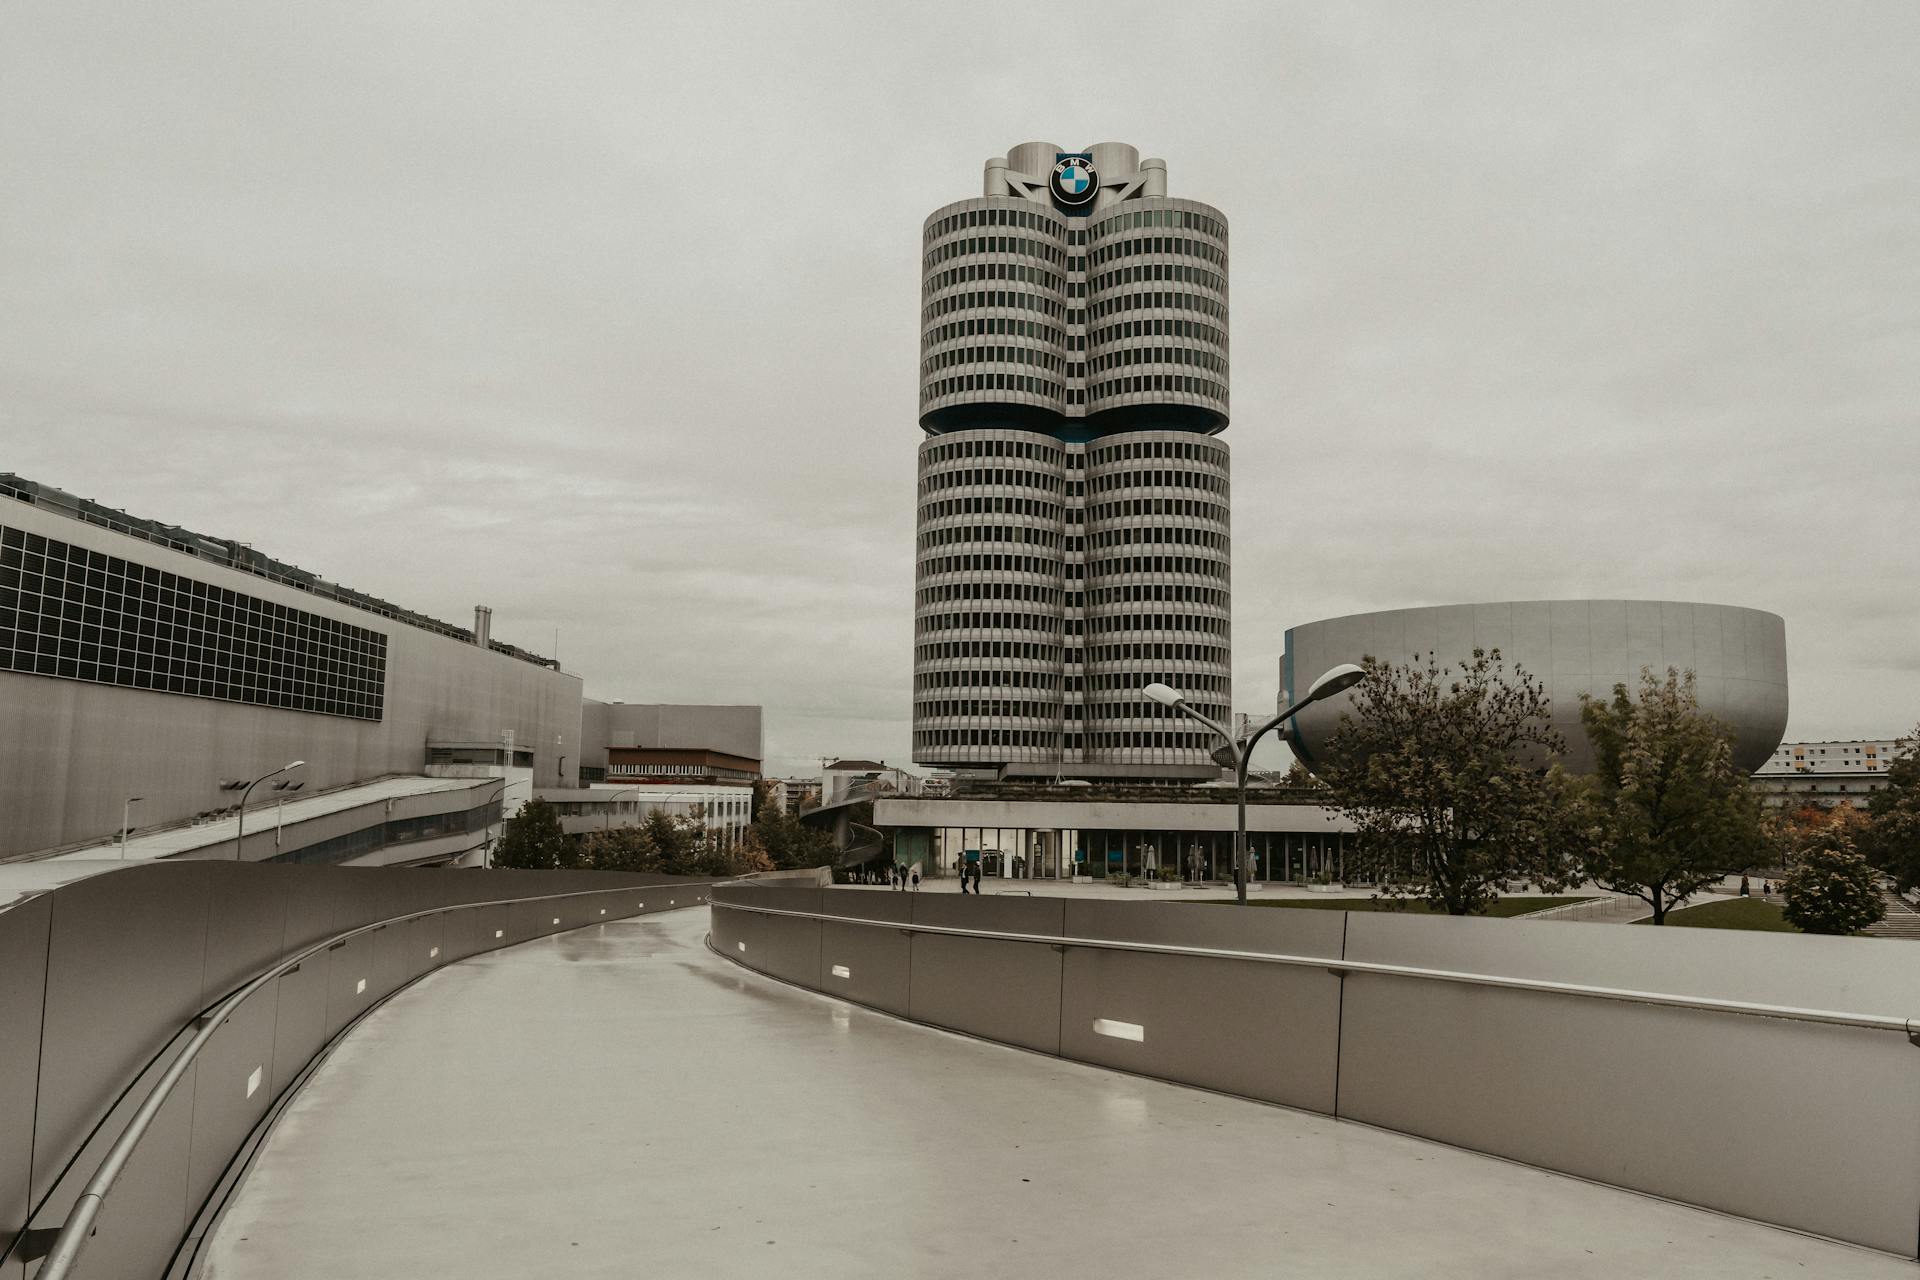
x: 1072, y: 534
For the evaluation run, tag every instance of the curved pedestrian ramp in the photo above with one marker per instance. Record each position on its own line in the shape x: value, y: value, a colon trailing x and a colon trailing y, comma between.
x: 152, y: 1016
x: 1772, y: 1076
x: 622, y: 1100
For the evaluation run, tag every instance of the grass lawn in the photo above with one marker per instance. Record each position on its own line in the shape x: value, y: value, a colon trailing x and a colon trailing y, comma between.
x: 1730, y: 913
x: 1501, y: 908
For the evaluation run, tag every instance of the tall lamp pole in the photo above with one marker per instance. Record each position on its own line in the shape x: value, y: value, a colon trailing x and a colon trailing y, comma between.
x: 241, y: 834
x: 486, y: 846
x: 126, y: 818
x: 613, y: 802
x: 1336, y: 680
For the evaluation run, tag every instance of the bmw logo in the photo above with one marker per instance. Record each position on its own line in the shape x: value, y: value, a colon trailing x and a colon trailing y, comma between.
x: 1075, y: 182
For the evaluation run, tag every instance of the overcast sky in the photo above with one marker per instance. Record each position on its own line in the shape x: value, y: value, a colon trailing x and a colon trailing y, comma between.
x: 604, y: 314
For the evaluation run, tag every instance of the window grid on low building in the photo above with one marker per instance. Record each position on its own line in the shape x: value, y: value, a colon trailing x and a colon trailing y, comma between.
x: 73, y: 613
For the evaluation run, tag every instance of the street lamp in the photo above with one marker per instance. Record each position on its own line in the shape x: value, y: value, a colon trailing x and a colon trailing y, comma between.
x: 284, y: 786
x: 241, y: 833
x: 486, y: 845
x: 613, y: 803
x: 126, y: 815
x: 1336, y: 680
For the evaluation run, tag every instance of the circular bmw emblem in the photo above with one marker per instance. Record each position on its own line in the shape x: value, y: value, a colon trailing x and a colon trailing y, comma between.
x: 1075, y: 181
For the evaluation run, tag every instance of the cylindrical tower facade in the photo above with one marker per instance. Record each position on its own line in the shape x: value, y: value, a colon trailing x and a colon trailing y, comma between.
x: 989, y: 603
x: 993, y: 313
x: 1073, y: 539
x: 1159, y: 596
x: 1157, y: 312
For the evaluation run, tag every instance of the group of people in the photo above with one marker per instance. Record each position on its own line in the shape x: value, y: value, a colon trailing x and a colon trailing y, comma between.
x: 970, y: 872
x: 901, y: 876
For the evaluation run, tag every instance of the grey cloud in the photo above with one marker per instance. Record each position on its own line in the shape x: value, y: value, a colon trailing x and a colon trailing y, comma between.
x: 606, y: 314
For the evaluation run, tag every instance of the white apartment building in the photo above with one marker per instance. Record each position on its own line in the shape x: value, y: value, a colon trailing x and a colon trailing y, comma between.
x: 1826, y: 773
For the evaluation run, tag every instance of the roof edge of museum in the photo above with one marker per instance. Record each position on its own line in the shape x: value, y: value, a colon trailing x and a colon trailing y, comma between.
x: 238, y: 556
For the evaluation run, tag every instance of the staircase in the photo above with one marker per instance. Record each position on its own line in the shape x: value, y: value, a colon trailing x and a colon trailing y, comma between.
x: 1902, y: 920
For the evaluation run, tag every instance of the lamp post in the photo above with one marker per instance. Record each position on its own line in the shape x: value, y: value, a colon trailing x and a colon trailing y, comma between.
x: 1335, y: 680
x: 486, y: 845
x: 241, y: 834
x: 613, y: 803
x: 280, y: 806
x: 126, y: 817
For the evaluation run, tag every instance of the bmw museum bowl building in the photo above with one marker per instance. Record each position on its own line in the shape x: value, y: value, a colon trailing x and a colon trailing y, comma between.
x: 1072, y: 533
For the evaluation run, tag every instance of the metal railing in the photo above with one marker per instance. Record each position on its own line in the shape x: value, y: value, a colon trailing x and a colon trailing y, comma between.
x: 78, y: 1227
x: 1909, y: 1027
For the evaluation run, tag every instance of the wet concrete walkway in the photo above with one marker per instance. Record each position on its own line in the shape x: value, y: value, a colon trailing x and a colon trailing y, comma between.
x: 620, y: 1102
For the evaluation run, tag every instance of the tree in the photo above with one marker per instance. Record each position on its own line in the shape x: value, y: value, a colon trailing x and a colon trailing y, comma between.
x: 1786, y: 832
x: 673, y: 841
x: 533, y: 840
x: 789, y: 842
x: 665, y: 844
x: 1448, y: 779
x: 1671, y: 812
x: 1892, y: 838
x: 1832, y: 888
x: 1298, y: 778
x: 618, y: 849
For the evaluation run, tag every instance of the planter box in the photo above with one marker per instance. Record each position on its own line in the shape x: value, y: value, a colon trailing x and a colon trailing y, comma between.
x: 1326, y: 888
x: 1083, y: 879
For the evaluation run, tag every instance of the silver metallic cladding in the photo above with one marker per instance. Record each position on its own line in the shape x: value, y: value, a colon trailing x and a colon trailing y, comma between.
x: 1573, y: 647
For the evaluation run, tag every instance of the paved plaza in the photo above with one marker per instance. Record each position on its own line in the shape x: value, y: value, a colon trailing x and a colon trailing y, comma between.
x: 619, y: 1101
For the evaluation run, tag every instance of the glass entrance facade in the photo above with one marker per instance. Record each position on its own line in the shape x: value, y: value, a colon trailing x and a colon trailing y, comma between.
x: 1026, y: 853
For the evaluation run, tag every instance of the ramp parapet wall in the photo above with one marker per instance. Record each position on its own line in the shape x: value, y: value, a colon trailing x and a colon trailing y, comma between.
x: 1772, y: 1077
x: 108, y: 980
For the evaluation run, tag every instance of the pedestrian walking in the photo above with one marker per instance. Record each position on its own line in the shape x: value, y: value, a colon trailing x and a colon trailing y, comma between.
x: 974, y: 871
x: 916, y: 879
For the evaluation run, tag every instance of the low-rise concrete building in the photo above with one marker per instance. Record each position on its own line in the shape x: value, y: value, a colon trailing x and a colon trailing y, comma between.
x: 1053, y: 833
x: 148, y: 673
x: 791, y: 795
x: 1826, y: 773
x: 726, y: 809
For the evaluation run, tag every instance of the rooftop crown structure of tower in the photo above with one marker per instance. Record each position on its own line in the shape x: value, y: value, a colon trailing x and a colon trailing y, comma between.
x: 1072, y: 534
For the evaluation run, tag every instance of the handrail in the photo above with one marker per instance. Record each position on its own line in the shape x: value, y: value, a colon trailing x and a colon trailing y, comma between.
x: 1909, y: 1027
x: 78, y: 1227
